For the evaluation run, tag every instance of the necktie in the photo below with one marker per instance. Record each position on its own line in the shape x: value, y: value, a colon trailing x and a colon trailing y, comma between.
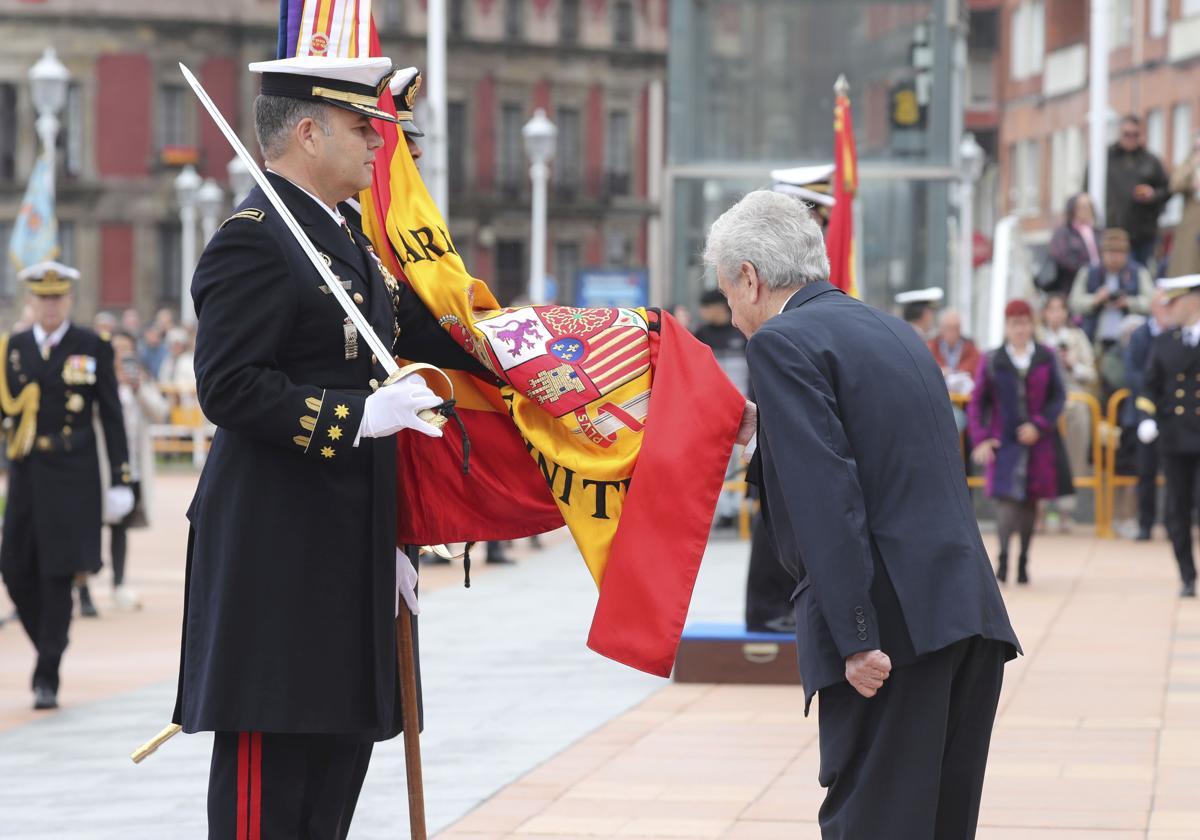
x: 47, y: 347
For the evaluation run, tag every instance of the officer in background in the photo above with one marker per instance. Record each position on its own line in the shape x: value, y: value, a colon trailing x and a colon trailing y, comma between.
x: 918, y: 308
x: 1169, y: 409
x: 289, y: 640
x: 54, y: 375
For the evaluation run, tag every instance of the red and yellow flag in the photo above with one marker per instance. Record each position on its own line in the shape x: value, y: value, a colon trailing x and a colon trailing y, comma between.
x: 615, y: 422
x: 839, y: 238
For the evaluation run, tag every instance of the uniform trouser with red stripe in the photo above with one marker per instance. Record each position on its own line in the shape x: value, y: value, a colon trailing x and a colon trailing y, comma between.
x: 284, y: 787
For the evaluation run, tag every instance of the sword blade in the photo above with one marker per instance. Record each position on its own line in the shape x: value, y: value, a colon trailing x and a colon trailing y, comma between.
x: 381, y: 351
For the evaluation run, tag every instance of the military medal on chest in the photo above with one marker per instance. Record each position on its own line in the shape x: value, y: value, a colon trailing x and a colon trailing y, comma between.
x: 350, y: 335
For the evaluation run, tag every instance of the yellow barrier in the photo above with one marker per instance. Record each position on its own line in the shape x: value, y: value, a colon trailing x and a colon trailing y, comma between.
x: 1094, y: 482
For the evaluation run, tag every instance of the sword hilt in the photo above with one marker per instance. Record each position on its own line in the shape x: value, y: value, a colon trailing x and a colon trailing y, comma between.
x: 168, y: 732
x: 432, y: 416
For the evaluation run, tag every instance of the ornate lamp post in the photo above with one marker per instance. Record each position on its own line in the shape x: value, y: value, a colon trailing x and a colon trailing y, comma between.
x: 187, y: 189
x: 540, y: 135
x: 48, y: 85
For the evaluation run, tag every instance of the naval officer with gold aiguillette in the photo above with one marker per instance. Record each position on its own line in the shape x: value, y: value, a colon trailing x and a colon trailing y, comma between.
x: 56, y: 375
x: 1169, y: 408
x: 289, y: 642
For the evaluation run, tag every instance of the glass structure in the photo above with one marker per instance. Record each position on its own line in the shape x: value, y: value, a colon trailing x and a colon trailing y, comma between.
x: 751, y: 89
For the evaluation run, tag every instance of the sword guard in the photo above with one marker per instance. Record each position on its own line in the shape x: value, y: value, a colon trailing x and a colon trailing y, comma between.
x: 432, y: 416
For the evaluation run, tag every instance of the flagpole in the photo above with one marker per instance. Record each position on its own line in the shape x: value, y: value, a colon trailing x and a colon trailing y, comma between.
x: 436, y: 155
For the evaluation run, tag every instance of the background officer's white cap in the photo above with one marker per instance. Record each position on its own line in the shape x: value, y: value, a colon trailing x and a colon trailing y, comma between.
x: 811, y: 183
x: 1177, y: 286
x: 48, y: 278
x: 930, y: 295
x: 404, y: 87
x: 354, y: 84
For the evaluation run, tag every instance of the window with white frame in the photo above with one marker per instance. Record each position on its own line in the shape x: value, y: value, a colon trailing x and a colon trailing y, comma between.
x: 1027, y: 37
x: 1156, y: 132
x: 1120, y: 23
x: 1160, y: 15
x: 1181, y: 132
x: 1066, y: 165
x: 1027, y: 178
x: 1189, y: 8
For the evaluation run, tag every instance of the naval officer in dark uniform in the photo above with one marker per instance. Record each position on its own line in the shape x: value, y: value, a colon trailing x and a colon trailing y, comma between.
x: 55, y: 375
x: 1169, y: 413
x: 289, y: 650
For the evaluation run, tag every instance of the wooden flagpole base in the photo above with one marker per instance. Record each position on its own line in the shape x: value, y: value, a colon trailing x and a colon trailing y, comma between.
x: 406, y: 659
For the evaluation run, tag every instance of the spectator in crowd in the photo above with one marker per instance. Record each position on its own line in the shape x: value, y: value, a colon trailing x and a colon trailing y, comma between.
x: 1137, y: 357
x: 152, y: 350
x: 954, y: 352
x: 177, y: 370
x: 164, y: 319
x: 131, y: 322
x: 727, y: 342
x: 1013, y: 413
x: 104, y: 323
x: 1074, y: 246
x: 1077, y: 367
x: 1135, y: 191
x: 142, y: 405
x: 1104, y: 294
x: 918, y: 308
x: 1185, y: 248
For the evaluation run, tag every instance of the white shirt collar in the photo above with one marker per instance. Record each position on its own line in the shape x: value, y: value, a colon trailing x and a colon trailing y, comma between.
x: 1191, y: 334
x: 332, y: 211
x: 789, y: 299
x: 1021, y: 361
x: 55, y: 337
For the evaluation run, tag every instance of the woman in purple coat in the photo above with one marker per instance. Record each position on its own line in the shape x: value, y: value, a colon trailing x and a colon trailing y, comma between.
x: 1013, y: 417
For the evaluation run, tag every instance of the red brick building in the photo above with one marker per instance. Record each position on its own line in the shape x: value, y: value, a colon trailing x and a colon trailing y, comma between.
x: 596, y: 66
x: 1042, y: 95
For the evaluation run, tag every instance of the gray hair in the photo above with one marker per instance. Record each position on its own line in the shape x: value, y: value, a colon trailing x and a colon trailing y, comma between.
x: 276, y: 116
x: 775, y: 233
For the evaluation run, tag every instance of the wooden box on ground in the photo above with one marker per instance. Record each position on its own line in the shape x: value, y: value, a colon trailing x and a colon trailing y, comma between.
x: 727, y: 653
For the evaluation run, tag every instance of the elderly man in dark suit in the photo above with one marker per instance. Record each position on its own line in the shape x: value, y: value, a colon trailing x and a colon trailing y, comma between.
x: 900, y: 624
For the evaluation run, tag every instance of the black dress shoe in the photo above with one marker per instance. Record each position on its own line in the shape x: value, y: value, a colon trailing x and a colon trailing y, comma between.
x: 1143, y: 535
x: 86, y: 608
x: 1188, y: 590
x: 44, y: 697
x: 1002, y: 569
x: 1023, y: 570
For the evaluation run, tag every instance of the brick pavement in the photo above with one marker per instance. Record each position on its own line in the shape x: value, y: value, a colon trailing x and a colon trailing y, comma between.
x: 534, y: 738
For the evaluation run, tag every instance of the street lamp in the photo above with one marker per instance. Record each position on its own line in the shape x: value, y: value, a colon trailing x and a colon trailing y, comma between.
x: 187, y: 189
x: 209, y: 199
x: 240, y: 180
x: 540, y: 135
x: 972, y: 156
x: 48, y: 87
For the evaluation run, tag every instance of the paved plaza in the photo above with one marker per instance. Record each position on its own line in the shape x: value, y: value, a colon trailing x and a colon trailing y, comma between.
x: 530, y: 735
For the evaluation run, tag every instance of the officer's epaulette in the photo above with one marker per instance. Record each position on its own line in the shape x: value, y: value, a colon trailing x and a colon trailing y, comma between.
x: 250, y: 213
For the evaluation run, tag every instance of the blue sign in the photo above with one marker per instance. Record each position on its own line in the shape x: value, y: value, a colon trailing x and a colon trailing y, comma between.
x: 603, y: 287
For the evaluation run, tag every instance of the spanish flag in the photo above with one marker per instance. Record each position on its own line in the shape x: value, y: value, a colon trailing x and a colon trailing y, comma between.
x: 839, y: 238
x: 614, y: 422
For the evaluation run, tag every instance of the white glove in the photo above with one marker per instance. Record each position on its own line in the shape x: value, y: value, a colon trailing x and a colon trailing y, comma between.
x: 406, y: 583
x: 1147, y: 431
x: 394, y: 407
x: 118, y: 503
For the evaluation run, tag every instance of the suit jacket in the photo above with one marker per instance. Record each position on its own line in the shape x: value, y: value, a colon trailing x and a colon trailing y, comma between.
x: 1171, y: 393
x: 864, y: 488
x: 1137, y: 358
x: 289, y: 602
x: 54, y: 491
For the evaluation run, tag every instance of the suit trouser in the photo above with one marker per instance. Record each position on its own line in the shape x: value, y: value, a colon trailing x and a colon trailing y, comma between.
x: 1180, y: 470
x: 43, y: 601
x: 908, y: 764
x: 1147, y: 485
x: 768, y: 584
x: 264, y: 786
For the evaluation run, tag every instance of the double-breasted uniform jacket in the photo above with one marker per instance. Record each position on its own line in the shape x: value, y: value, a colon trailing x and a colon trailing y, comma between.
x: 290, y: 593
x: 863, y: 490
x: 53, y: 508
x: 1171, y: 393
